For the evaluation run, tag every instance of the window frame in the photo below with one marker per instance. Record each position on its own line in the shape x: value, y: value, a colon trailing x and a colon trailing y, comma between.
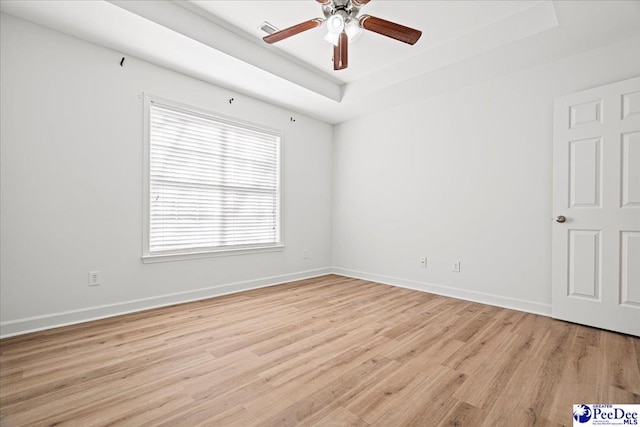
x: 147, y: 255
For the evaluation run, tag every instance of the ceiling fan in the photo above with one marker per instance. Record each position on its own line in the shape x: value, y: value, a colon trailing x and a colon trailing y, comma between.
x: 344, y: 24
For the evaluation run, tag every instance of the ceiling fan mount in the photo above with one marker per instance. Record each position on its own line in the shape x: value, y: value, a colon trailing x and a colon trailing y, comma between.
x: 344, y: 24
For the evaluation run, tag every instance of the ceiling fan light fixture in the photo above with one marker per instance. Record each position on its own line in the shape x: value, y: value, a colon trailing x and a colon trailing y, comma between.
x: 332, y: 38
x: 335, y: 24
x: 353, y: 31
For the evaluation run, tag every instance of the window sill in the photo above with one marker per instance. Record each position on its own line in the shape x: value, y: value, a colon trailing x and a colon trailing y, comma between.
x: 150, y: 259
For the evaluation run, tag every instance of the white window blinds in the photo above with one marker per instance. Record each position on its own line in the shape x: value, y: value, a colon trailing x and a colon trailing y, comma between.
x: 213, y: 184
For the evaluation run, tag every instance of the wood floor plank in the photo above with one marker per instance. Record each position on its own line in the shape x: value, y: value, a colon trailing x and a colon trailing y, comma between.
x: 326, y: 351
x: 488, y: 380
x: 340, y: 417
x: 421, y: 401
x: 462, y: 414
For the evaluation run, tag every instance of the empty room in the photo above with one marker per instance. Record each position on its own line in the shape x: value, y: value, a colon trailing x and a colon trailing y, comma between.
x: 319, y: 213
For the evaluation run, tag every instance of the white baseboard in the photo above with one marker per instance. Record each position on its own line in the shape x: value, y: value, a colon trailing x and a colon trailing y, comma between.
x: 496, y: 300
x: 55, y: 320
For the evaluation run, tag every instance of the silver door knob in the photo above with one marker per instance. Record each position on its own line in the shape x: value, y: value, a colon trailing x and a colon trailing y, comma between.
x: 560, y: 218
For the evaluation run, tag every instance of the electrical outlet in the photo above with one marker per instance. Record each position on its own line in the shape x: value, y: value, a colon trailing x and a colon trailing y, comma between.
x: 305, y: 254
x: 423, y: 261
x: 94, y: 278
x: 455, y: 266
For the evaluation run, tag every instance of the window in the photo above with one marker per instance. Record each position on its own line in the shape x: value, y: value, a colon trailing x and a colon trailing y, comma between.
x: 212, y: 184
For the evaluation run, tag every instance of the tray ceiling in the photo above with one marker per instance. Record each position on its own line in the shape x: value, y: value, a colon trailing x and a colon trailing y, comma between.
x: 219, y: 41
x: 440, y: 21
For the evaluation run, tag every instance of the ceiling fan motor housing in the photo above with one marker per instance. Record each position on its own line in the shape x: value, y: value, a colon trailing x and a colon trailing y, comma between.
x: 348, y: 9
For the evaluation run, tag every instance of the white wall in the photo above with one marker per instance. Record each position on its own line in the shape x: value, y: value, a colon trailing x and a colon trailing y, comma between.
x: 463, y: 176
x: 71, y: 185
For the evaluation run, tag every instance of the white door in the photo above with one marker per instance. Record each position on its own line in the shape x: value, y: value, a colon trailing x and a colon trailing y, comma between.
x: 596, y: 187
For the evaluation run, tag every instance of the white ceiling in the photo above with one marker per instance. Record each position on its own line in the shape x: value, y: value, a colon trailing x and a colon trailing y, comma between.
x: 440, y: 21
x: 463, y: 42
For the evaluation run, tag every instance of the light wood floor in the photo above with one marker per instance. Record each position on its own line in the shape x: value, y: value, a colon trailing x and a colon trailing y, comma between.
x: 329, y: 351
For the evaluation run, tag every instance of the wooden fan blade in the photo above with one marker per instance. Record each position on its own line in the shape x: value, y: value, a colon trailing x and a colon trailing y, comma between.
x: 324, y: 2
x: 292, y: 31
x: 389, y: 29
x: 341, y: 53
x: 359, y: 3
